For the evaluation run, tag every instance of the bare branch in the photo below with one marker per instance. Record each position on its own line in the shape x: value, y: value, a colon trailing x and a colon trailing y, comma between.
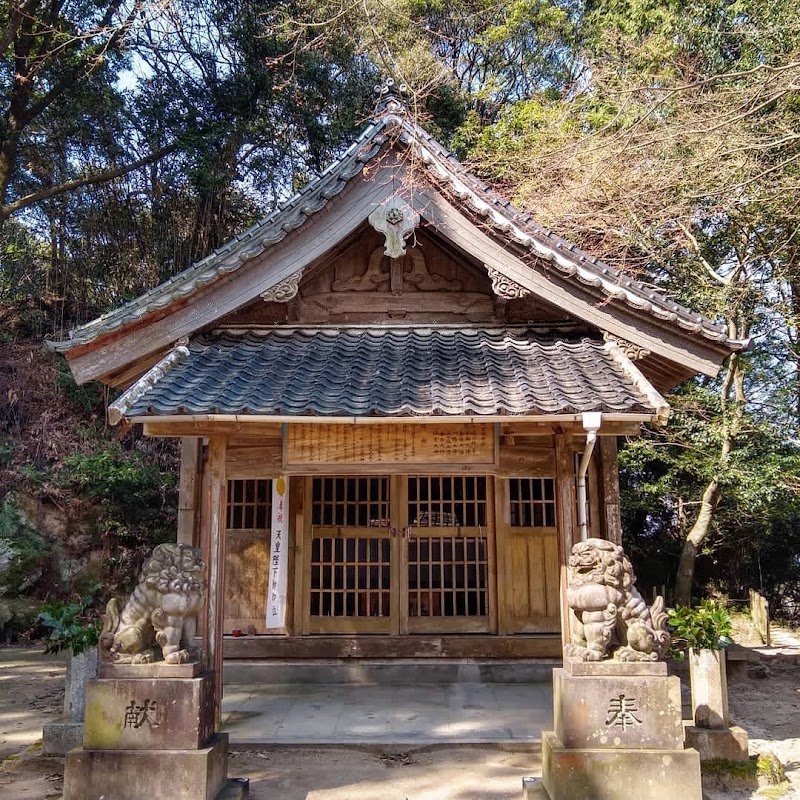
x: 86, y: 180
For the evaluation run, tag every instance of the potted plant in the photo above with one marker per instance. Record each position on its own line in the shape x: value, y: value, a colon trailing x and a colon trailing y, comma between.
x: 704, y: 631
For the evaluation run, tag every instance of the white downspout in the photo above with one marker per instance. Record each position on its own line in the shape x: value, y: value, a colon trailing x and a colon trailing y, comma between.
x: 591, y: 424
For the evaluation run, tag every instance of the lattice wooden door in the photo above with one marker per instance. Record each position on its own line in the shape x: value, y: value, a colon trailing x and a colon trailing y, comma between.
x: 399, y: 554
x: 449, y: 554
x: 352, y: 556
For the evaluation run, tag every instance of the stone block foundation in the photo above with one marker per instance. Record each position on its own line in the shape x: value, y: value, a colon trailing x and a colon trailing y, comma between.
x: 151, y: 738
x: 730, y: 744
x: 139, y: 774
x: 592, y: 774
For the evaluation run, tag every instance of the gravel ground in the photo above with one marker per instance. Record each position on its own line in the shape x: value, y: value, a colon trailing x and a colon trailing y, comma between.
x: 30, y: 694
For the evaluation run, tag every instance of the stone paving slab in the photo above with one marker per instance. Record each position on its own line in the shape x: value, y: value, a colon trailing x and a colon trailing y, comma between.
x: 461, y: 713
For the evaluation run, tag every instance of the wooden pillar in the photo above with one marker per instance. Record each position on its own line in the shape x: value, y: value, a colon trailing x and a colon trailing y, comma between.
x: 611, y: 518
x: 188, y: 490
x: 565, y: 518
x: 215, y: 520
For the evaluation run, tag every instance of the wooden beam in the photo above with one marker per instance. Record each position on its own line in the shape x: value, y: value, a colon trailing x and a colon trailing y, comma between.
x: 504, y: 566
x: 236, y: 431
x: 188, y: 490
x: 594, y: 495
x: 472, y: 646
x: 216, y: 503
x: 565, y: 518
x: 611, y: 517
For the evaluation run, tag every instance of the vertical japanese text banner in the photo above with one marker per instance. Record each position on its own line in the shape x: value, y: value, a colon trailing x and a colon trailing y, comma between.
x: 279, y: 555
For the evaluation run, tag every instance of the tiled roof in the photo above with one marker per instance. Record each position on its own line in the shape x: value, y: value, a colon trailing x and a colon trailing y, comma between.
x: 393, y: 121
x: 391, y: 372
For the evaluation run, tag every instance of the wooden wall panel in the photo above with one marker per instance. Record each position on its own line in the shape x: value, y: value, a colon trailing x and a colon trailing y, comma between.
x: 526, y: 458
x: 528, y: 589
x: 246, y: 570
x: 551, y: 576
x: 533, y: 581
x: 537, y: 576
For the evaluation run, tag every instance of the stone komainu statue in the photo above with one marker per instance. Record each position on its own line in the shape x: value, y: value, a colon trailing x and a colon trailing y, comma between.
x: 608, y: 616
x: 162, y: 609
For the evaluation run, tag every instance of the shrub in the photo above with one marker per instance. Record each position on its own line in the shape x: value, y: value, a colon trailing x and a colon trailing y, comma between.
x: 73, y: 626
x: 704, y: 627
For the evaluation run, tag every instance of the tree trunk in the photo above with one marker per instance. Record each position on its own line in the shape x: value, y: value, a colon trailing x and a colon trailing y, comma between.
x: 733, y: 402
x: 694, y: 539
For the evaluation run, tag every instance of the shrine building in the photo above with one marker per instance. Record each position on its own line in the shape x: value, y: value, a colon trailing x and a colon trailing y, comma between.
x: 398, y: 399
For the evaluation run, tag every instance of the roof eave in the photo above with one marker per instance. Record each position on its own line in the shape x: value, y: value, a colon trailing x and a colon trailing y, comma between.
x: 245, y: 419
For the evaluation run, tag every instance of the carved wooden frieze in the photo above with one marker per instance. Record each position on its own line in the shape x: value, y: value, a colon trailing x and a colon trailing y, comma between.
x: 409, y: 273
x: 284, y: 291
x: 632, y: 350
x: 369, y: 281
x: 423, y: 280
x: 396, y: 220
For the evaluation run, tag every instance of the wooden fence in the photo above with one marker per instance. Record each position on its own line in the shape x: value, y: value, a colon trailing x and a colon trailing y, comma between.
x: 759, y: 613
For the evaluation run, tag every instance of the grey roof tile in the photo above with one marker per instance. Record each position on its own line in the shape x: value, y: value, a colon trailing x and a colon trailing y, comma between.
x: 396, y: 372
x: 442, y: 167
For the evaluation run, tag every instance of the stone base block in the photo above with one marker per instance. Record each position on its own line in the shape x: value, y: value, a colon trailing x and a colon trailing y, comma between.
x: 533, y: 789
x: 235, y: 789
x: 622, y: 774
x: 159, y: 669
x: 617, y: 711
x: 60, y: 735
x: 636, y: 669
x: 147, y: 774
x: 728, y: 743
x: 149, y: 713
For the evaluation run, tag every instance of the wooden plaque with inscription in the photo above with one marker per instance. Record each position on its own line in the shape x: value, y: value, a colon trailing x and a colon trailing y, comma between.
x: 314, y: 444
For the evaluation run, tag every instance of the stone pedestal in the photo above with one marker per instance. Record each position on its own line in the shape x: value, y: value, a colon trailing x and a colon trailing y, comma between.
x: 62, y: 734
x: 709, y: 688
x: 151, y: 736
x: 618, y: 735
x: 138, y: 774
x: 711, y: 734
x: 149, y: 713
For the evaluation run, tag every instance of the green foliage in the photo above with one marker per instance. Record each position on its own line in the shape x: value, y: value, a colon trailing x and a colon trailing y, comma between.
x: 89, y: 398
x: 756, y: 527
x: 23, y: 552
x: 704, y: 627
x: 73, y: 626
x: 741, y: 770
x: 771, y: 769
x: 127, y: 481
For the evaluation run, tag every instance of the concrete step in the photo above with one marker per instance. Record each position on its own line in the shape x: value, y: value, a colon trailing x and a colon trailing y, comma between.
x: 400, y: 672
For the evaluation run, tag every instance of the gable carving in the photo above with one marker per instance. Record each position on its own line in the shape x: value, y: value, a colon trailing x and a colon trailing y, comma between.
x: 396, y: 220
x: 632, y: 350
x: 373, y: 279
x: 504, y: 287
x: 285, y: 291
x: 421, y: 278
